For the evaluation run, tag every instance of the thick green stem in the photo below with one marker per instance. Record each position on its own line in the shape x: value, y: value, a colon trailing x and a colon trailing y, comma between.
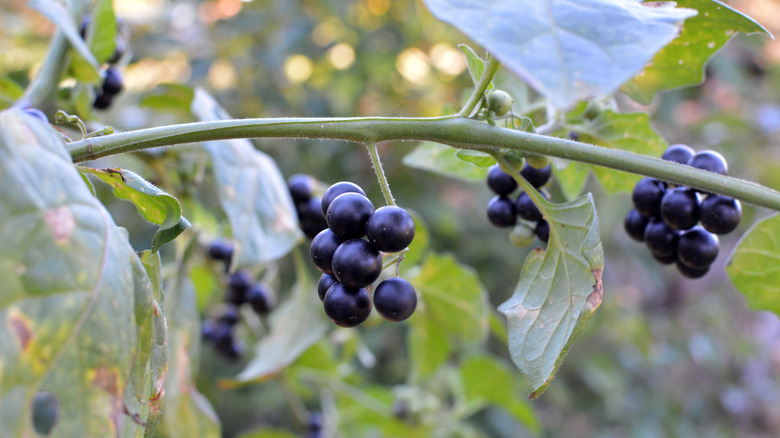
x: 380, y: 173
x: 479, y: 90
x: 451, y: 130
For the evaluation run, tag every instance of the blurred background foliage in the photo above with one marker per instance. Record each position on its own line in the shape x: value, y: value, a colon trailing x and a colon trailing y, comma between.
x: 664, y: 356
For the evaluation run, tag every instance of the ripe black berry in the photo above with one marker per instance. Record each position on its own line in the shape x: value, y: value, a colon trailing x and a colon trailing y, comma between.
x: 301, y: 187
x: 338, y: 189
x: 326, y: 281
x: 720, y: 214
x: 680, y: 208
x: 224, y: 342
x: 238, y: 284
x: 260, y: 297
x: 647, y: 196
x: 356, y: 263
x: 501, y: 211
x: 390, y: 229
x: 709, y: 160
x: 323, y: 246
x: 230, y: 316
x: 660, y: 238
x: 346, y: 306
x: 499, y: 181
x: 348, y: 214
x: 665, y: 259
x: 689, y: 272
x: 679, y: 153
x: 543, y: 231
x: 102, y: 101
x: 635, y: 225
x: 221, y: 250
x: 395, y: 299
x: 112, y: 82
x: 537, y: 177
x: 526, y: 208
x: 312, y: 220
x: 697, y: 248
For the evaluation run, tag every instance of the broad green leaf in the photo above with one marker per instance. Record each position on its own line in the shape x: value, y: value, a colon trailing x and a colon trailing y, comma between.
x: 428, y: 344
x: 10, y: 91
x: 102, y: 40
x: 754, y: 265
x: 252, y: 192
x: 558, y: 292
x: 681, y: 63
x: 442, y: 159
x: 420, y: 243
x: 628, y: 132
x: 172, y: 97
x: 153, y: 204
x: 562, y: 47
x: 76, y: 300
x: 475, y: 64
x: 477, y: 158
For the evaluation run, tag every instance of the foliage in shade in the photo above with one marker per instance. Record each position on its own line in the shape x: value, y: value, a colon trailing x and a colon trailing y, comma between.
x: 103, y: 22
x: 754, y: 265
x: 444, y: 160
x: 558, y: 292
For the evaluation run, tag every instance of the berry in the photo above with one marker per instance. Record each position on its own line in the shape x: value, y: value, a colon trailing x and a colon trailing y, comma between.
x: 660, y: 238
x: 537, y: 177
x: 665, y: 259
x: 635, y: 225
x: 119, y: 50
x: 221, y: 250
x: 697, y: 248
x: 338, y: 189
x: 500, y: 182
x: 538, y: 161
x: 312, y: 220
x: 356, y: 263
x: 720, y: 214
x: 501, y: 212
x: 112, y: 82
x: 326, y: 281
x: 689, y: 272
x: 38, y: 114
x: 543, y: 231
x: 347, y: 306
x: 260, y: 297
x: 679, y: 153
x: 230, y: 317
x: 390, y: 229
x: 224, y: 342
x: 323, y: 246
x: 208, y: 330
x: 500, y: 102
x: 102, y: 101
x: 395, y: 299
x: 301, y: 187
x: 709, y: 160
x: 526, y: 208
x: 647, y: 196
x: 522, y: 235
x: 593, y: 110
x: 680, y: 208
x: 348, y: 214
x: 238, y: 284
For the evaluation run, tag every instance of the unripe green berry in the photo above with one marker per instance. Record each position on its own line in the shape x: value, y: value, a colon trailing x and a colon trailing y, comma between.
x: 515, y: 159
x: 500, y: 102
x: 593, y: 110
x: 538, y: 161
x: 522, y: 235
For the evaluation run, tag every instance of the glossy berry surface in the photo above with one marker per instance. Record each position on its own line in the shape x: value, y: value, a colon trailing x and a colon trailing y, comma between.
x: 301, y: 188
x: 635, y: 225
x: 356, y: 263
x: 390, y: 229
x: 346, y: 306
x: 500, y: 182
x: 238, y: 284
x: 501, y: 211
x: 260, y: 297
x: 665, y: 259
x: 720, y: 214
x: 647, y: 196
x: 322, y: 248
x: 678, y: 153
x: 326, y: 281
x: 697, y: 248
x: 348, y: 215
x: 660, y: 238
x: 537, y: 177
x: 680, y: 208
x: 526, y: 208
x: 711, y: 161
x: 112, y: 82
x: 689, y: 272
x: 395, y: 299
x: 543, y: 231
x: 221, y: 250
x: 338, y: 189
x: 311, y: 218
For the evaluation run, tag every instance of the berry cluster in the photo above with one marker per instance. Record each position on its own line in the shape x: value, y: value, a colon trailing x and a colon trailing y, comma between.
x: 311, y: 215
x: 667, y: 218
x: 350, y: 263
x: 240, y: 290
x: 503, y: 211
x: 112, y: 80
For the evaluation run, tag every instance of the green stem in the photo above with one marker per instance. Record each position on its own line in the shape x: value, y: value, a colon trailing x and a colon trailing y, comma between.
x: 48, y: 74
x: 450, y: 130
x: 380, y: 172
x: 479, y: 90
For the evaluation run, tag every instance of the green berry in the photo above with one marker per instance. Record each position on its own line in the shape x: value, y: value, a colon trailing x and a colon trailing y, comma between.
x: 500, y: 102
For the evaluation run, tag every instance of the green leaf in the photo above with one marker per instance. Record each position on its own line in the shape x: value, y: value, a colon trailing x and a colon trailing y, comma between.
x: 681, y: 63
x: 102, y: 41
x: 153, y: 204
x: 429, y: 347
x: 442, y: 159
x: 475, y: 64
x: 420, y: 243
x: 171, y: 97
x: 76, y: 300
x: 477, y: 158
x: 265, y: 432
x: 10, y: 91
x: 558, y: 292
x: 252, y: 192
x: 754, y: 265
x: 561, y: 47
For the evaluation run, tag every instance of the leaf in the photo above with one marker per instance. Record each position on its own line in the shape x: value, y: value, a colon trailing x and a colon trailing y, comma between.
x: 102, y: 42
x: 173, y: 97
x: 475, y: 64
x: 429, y: 347
x: 265, y: 432
x: 153, y: 204
x: 252, y: 192
x: 441, y: 159
x: 75, y: 299
x: 754, y: 267
x: 560, y: 47
x: 10, y: 91
x: 477, y: 158
x: 681, y: 63
x: 558, y: 291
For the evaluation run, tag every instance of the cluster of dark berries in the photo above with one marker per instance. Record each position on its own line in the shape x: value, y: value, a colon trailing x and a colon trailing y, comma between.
x: 350, y: 263
x: 503, y: 210
x: 667, y: 218
x: 240, y: 290
x: 311, y: 215
x: 112, y: 80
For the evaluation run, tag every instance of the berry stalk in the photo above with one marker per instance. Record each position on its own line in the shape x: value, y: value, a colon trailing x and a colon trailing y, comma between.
x: 380, y: 172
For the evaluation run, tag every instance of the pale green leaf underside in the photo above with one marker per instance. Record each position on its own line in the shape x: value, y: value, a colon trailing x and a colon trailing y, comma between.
x: 754, y: 265
x: 443, y: 160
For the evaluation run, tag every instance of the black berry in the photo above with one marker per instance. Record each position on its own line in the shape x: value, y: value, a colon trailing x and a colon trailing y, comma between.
x: 348, y: 214
x: 395, y: 299
x: 260, y: 297
x: 390, y: 229
x: 225, y: 343
x: 542, y: 231
x: 501, y: 211
x: 112, y: 82
x: 230, y: 316
x: 326, y: 281
x: 526, y: 208
x: 665, y: 259
x: 301, y: 187
x: 323, y: 246
x: 697, y: 248
x: 102, y: 101
x: 689, y: 272
x: 119, y: 50
x: 647, y: 196
x: 356, y: 263
x: 720, y: 214
x: 679, y: 153
x: 238, y: 284
x: 338, y: 189
x: 709, y: 160
x: 660, y: 238
x: 537, y: 177
x: 312, y: 220
x: 346, y: 306
x: 680, y: 208
x: 635, y: 225
x: 499, y: 181
x: 221, y: 250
